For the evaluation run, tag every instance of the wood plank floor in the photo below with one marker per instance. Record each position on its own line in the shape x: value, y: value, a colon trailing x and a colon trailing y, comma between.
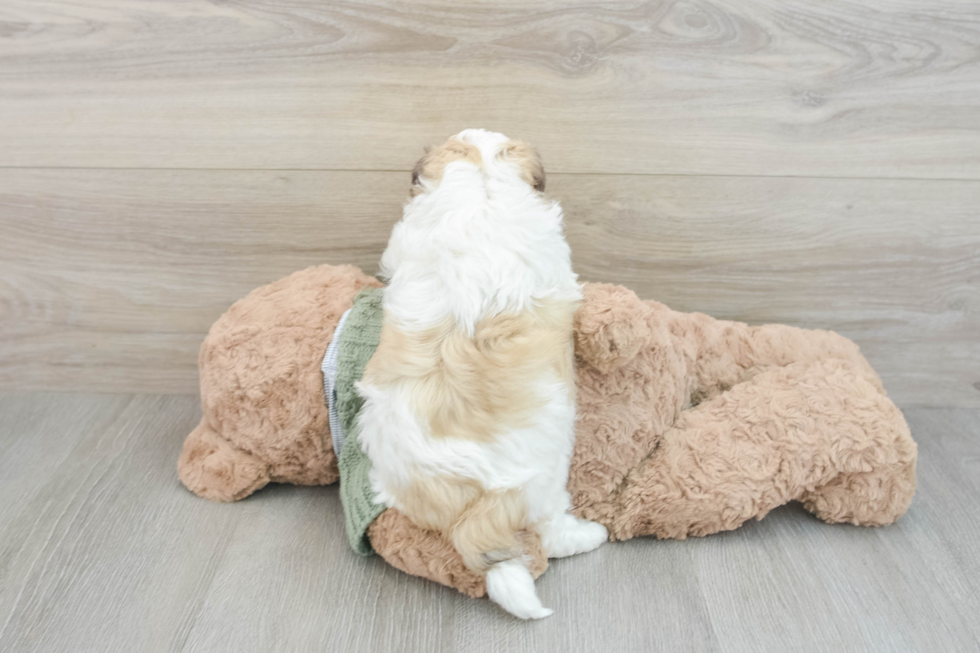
x: 101, y: 549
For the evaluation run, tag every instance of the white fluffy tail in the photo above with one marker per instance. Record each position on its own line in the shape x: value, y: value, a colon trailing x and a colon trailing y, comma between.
x: 509, y: 585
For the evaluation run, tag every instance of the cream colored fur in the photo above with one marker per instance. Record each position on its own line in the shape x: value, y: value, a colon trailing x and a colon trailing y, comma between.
x: 469, y: 399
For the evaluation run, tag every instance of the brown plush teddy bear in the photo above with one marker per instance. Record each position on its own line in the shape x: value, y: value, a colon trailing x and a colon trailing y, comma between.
x: 687, y: 425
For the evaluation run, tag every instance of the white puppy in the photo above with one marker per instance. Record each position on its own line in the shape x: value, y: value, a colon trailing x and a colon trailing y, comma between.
x: 469, y: 418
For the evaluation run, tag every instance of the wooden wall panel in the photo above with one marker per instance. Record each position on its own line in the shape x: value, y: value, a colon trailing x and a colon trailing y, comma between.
x: 109, y: 279
x: 880, y: 88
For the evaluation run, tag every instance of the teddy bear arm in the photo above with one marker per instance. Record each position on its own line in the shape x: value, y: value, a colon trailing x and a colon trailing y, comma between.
x: 214, y: 468
x: 724, y: 353
x: 611, y: 326
x: 743, y: 453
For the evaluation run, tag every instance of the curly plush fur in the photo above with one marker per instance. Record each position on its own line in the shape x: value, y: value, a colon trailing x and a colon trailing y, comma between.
x: 265, y: 418
x: 687, y: 425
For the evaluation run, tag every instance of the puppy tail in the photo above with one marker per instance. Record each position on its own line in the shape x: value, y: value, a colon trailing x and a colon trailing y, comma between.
x: 485, y: 534
x: 509, y: 585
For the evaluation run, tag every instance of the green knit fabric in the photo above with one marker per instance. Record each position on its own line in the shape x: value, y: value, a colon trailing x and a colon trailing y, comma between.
x: 357, y: 343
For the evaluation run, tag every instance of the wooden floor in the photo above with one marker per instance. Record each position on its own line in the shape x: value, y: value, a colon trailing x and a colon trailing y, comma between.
x: 101, y: 549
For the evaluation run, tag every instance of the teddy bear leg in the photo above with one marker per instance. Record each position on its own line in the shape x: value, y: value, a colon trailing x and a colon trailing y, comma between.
x: 821, y: 433
x: 729, y: 353
x: 874, y: 498
x: 670, y: 495
x: 877, y: 473
x: 213, y: 468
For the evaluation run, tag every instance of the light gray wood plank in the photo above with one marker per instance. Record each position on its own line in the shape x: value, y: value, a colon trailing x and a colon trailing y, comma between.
x: 844, y: 88
x: 30, y: 421
x: 106, y: 551
x: 110, y: 553
x: 109, y: 279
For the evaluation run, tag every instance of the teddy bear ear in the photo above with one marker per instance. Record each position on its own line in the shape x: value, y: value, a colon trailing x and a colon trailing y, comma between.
x: 611, y: 326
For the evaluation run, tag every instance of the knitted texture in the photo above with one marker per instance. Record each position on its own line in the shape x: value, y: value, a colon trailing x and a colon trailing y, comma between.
x: 359, y: 339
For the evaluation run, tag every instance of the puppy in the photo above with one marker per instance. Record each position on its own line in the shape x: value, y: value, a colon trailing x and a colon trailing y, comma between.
x: 469, y: 415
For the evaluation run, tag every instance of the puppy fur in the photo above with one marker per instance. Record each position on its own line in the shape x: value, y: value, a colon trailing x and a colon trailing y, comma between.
x: 469, y: 409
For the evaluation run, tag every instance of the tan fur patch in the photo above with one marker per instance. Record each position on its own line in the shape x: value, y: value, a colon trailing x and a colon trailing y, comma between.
x: 472, y: 387
x: 431, y: 166
x: 486, y: 532
x: 482, y: 525
x: 436, y: 502
x: 528, y: 160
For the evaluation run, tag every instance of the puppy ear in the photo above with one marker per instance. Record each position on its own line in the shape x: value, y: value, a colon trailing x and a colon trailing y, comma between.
x: 528, y: 160
x: 417, y: 171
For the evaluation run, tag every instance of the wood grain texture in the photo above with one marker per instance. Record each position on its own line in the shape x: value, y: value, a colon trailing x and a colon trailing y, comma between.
x: 101, y: 549
x: 815, y: 163
x: 109, y: 279
x: 881, y: 88
x: 893, y: 265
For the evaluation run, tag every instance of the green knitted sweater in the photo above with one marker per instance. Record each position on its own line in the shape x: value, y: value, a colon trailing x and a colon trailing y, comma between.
x: 358, y: 340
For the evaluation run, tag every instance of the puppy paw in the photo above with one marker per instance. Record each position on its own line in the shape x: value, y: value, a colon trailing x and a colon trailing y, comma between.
x: 567, y: 535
